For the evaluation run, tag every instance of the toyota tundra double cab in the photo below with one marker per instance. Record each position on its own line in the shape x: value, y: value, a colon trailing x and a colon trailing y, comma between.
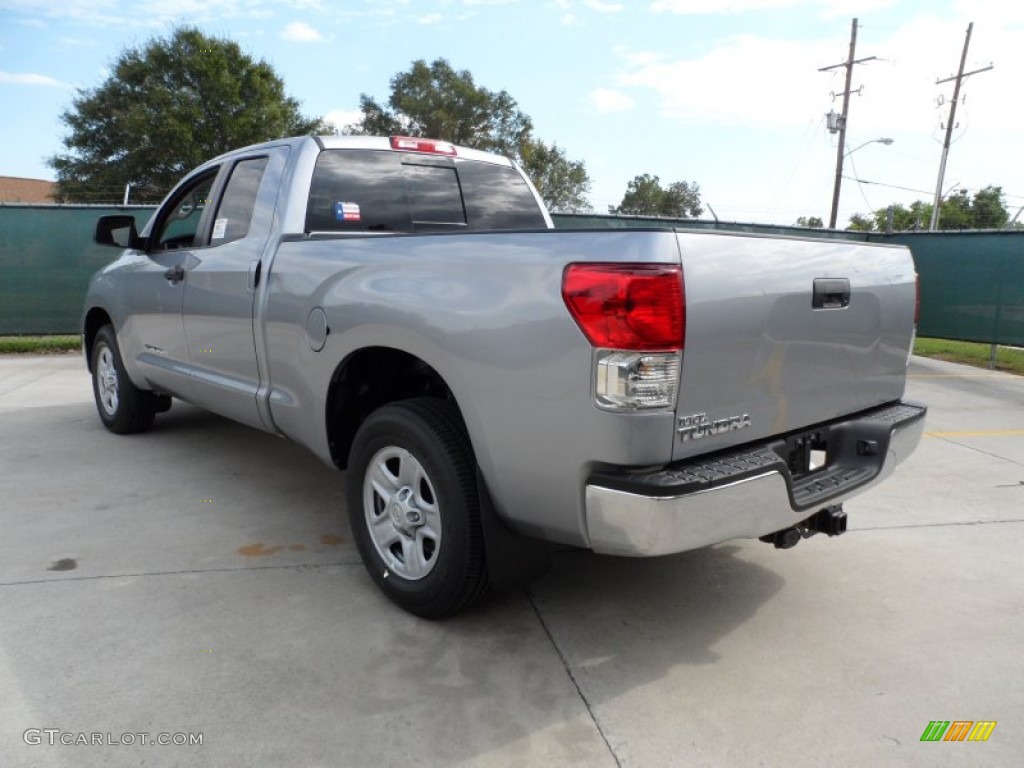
x: 403, y: 308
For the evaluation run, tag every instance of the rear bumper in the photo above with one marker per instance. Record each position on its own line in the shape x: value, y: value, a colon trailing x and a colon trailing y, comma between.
x: 746, y: 493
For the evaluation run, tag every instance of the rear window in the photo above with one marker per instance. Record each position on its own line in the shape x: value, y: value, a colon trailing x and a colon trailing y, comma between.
x: 387, y: 191
x: 434, y: 194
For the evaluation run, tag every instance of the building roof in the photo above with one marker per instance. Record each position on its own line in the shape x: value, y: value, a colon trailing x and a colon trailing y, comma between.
x: 17, y: 190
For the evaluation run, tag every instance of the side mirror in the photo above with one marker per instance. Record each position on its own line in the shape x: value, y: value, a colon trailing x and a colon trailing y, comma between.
x: 117, y: 230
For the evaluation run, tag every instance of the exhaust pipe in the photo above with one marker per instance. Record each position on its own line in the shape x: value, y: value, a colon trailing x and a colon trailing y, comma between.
x: 831, y: 521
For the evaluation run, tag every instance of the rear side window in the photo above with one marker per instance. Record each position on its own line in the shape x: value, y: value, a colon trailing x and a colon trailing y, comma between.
x: 386, y: 191
x: 235, y: 211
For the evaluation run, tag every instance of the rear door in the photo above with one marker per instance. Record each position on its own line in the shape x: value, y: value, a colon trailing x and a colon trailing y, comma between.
x: 220, y: 286
x: 782, y: 334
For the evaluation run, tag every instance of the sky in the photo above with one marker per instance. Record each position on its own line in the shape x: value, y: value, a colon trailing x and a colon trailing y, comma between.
x: 724, y: 93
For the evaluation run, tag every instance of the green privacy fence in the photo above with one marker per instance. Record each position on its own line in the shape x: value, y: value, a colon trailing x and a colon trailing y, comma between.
x: 46, y: 258
x: 972, y: 283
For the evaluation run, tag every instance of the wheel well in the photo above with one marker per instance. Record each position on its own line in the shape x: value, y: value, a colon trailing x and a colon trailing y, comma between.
x: 368, y: 379
x: 95, y: 319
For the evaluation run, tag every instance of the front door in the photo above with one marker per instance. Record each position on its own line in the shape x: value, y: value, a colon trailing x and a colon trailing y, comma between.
x: 153, y: 335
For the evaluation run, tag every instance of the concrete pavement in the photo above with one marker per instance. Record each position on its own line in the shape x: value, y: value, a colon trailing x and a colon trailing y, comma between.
x: 201, y: 579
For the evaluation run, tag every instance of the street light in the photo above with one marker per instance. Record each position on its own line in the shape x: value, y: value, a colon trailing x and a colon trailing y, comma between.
x: 839, y: 176
x: 885, y: 141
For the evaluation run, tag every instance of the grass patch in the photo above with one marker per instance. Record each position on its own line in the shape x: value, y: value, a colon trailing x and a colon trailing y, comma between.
x: 40, y: 344
x: 971, y: 353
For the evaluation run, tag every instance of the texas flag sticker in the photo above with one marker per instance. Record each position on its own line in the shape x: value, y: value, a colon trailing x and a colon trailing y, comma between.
x: 346, y: 211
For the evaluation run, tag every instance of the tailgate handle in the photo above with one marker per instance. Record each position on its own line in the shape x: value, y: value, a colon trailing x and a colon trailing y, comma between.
x: 831, y: 293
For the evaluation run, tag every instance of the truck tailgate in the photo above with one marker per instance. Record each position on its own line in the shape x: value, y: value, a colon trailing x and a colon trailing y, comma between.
x: 782, y: 334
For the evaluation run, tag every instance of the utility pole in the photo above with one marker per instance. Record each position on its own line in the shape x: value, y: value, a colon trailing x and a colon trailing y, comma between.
x: 840, y: 152
x: 960, y: 75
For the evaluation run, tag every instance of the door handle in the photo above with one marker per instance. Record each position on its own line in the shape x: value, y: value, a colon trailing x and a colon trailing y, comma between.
x: 831, y: 293
x: 175, y: 274
x: 253, y: 279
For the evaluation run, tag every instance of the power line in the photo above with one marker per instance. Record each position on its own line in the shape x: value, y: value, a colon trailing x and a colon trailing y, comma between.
x: 794, y: 162
x: 922, y: 191
x: 890, y: 186
x: 860, y: 187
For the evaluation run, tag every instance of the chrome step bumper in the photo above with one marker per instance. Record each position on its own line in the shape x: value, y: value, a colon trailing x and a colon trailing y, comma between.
x: 746, y: 493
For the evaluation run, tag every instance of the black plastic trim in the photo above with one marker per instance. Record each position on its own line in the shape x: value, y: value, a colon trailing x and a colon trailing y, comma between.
x: 857, y: 448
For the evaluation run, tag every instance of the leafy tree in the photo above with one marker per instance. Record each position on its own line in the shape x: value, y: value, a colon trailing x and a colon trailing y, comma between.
x: 986, y: 210
x: 859, y: 223
x: 562, y: 183
x: 646, y: 197
x: 437, y: 101
x: 955, y: 212
x: 165, y: 108
x: 440, y: 102
x: 989, y: 209
x: 813, y: 222
x: 682, y: 199
x: 904, y: 219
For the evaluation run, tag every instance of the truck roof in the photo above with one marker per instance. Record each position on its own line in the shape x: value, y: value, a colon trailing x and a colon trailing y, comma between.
x: 360, y: 142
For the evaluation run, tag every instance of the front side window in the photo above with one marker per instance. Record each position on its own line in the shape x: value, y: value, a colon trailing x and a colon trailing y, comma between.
x: 234, y: 214
x: 180, y: 218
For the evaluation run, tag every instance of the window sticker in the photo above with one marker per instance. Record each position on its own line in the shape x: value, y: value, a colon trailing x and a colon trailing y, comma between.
x: 219, y: 226
x: 347, y: 212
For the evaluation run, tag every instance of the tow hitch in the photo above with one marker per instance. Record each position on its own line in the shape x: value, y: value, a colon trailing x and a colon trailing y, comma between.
x: 830, y: 521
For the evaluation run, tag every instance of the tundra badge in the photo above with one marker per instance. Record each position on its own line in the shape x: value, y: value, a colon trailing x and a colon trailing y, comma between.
x: 698, y: 425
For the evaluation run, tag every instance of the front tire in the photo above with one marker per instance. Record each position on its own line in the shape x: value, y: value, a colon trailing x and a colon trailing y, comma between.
x: 123, y: 407
x: 414, y: 509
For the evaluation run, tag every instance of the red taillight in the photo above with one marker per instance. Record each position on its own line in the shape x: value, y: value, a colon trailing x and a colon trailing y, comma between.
x: 917, y: 299
x: 412, y: 144
x: 627, y: 306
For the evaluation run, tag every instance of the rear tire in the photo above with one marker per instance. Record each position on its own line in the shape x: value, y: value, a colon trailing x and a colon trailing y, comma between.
x: 414, y: 509
x: 123, y: 407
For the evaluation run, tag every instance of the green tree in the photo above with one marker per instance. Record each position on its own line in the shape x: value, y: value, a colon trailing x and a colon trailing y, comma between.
x: 989, y: 209
x: 165, y: 108
x: 437, y: 101
x: 812, y: 222
x: 955, y: 211
x: 986, y: 210
x: 860, y: 223
x: 904, y: 219
x: 646, y: 197
x: 562, y: 183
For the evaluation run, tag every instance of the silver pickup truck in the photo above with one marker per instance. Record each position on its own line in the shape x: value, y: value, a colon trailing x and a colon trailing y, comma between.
x: 403, y: 308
